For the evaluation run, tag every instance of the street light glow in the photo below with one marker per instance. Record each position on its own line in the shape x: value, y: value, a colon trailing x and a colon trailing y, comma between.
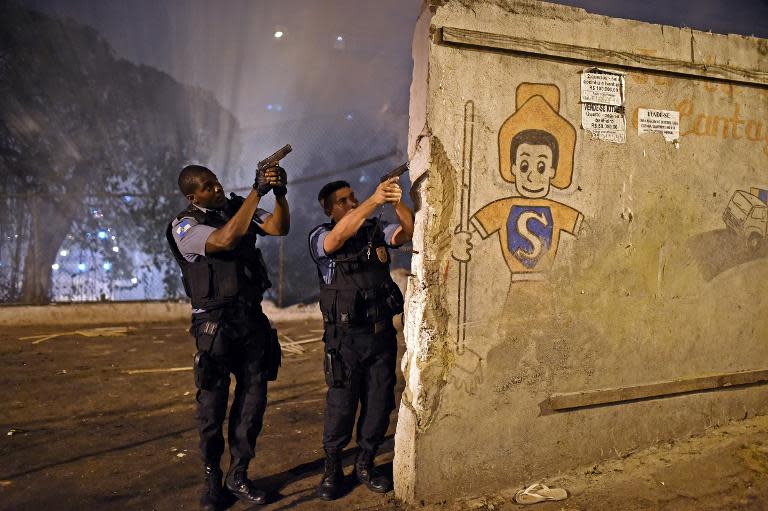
x: 278, y: 34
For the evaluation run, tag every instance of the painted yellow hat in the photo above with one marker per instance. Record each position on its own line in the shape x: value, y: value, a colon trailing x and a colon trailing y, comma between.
x: 537, y: 106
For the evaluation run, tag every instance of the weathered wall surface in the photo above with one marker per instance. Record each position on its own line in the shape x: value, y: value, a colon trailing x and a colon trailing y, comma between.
x: 614, y: 269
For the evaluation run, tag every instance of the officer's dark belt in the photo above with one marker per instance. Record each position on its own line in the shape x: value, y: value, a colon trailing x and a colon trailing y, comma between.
x: 378, y: 327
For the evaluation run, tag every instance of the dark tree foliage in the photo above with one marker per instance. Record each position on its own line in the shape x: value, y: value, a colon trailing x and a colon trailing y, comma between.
x: 81, y: 128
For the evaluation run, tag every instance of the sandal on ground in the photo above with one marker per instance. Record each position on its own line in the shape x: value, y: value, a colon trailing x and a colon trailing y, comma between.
x: 538, y: 492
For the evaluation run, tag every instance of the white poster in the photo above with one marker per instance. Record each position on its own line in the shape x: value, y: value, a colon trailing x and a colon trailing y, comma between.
x: 666, y: 122
x: 605, y: 122
x: 600, y: 86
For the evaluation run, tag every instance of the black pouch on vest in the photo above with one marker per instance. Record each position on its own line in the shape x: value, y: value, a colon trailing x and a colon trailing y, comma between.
x: 348, y: 308
x: 327, y: 299
x: 394, y: 299
x: 273, y: 356
x: 340, y: 306
x: 367, y: 305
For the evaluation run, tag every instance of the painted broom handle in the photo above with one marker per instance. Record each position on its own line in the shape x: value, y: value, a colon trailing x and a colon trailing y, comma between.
x: 466, y: 192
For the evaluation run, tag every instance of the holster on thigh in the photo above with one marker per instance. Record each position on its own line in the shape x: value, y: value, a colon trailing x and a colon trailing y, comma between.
x: 336, y: 372
x: 207, y: 370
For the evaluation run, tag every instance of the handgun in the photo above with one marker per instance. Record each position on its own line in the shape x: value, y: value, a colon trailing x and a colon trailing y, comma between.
x: 274, y: 158
x: 396, y: 172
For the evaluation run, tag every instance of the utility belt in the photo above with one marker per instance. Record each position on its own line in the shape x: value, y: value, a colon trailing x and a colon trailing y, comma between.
x: 209, y: 371
x: 358, y: 310
x: 360, y: 306
x: 336, y: 371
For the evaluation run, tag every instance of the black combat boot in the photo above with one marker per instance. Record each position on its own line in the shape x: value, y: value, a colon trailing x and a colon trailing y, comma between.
x: 213, y: 496
x: 333, y: 478
x: 240, y: 486
x: 366, y: 473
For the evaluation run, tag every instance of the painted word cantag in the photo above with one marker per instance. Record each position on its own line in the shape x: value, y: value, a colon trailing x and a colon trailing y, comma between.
x: 605, y: 122
x: 599, y: 86
x: 666, y: 122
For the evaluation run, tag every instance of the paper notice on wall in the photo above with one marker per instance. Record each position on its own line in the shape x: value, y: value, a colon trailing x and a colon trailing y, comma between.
x: 666, y: 122
x: 605, y: 122
x: 602, y: 86
x: 602, y: 104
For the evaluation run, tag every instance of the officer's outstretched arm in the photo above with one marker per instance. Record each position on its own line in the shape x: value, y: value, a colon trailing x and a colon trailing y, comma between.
x: 388, y: 191
x: 404, y: 233
x: 228, y: 236
x: 279, y: 222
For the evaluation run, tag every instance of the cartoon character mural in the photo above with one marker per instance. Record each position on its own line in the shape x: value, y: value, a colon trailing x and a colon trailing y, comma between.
x: 536, y: 153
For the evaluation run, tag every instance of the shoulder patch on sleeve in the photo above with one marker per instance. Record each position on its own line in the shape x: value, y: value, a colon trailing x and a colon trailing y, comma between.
x: 182, y: 227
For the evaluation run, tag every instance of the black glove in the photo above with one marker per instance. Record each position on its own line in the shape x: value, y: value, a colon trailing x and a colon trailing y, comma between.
x: 261, y: 184
x: 281, y: 188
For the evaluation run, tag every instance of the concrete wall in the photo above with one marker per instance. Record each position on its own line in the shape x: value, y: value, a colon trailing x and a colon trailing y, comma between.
x: 620, y: 273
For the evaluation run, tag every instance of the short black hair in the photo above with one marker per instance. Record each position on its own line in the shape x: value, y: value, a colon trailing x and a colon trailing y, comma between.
x: 328, y: 190
x: 535, y: 137
x: 188, y: 178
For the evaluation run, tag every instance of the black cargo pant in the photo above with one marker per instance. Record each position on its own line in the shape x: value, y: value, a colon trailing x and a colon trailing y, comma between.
x: 238, y: 347
x: 369, y: 360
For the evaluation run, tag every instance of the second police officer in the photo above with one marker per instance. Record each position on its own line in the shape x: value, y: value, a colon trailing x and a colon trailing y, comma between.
x: 358, y: 300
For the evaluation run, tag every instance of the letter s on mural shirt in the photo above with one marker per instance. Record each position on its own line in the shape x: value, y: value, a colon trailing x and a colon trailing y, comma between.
x: 529, y: 231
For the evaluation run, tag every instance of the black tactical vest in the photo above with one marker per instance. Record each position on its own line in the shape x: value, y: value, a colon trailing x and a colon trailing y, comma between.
x: 222, y: 278
x: 362, y: 290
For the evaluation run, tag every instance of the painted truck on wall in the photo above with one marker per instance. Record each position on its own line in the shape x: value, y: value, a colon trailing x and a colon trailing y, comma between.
x: 747, y: 215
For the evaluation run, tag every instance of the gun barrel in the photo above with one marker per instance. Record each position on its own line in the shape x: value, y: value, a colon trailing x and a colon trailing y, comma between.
x: 276, y: 156
x: 396, y: 172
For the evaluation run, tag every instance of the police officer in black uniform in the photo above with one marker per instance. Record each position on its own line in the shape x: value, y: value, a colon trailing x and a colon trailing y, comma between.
x: 358, y: 300
x: 213, y: 240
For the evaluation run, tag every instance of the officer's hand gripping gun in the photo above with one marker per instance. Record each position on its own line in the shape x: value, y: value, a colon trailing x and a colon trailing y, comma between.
x: 261, y: 184
x: 396, y: 172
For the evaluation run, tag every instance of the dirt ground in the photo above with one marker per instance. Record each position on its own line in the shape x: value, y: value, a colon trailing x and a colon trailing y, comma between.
x: 100, y: 422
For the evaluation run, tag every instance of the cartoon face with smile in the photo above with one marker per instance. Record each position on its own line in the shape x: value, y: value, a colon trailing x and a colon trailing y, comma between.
x: 534, y: 162
x: 536, y: 153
